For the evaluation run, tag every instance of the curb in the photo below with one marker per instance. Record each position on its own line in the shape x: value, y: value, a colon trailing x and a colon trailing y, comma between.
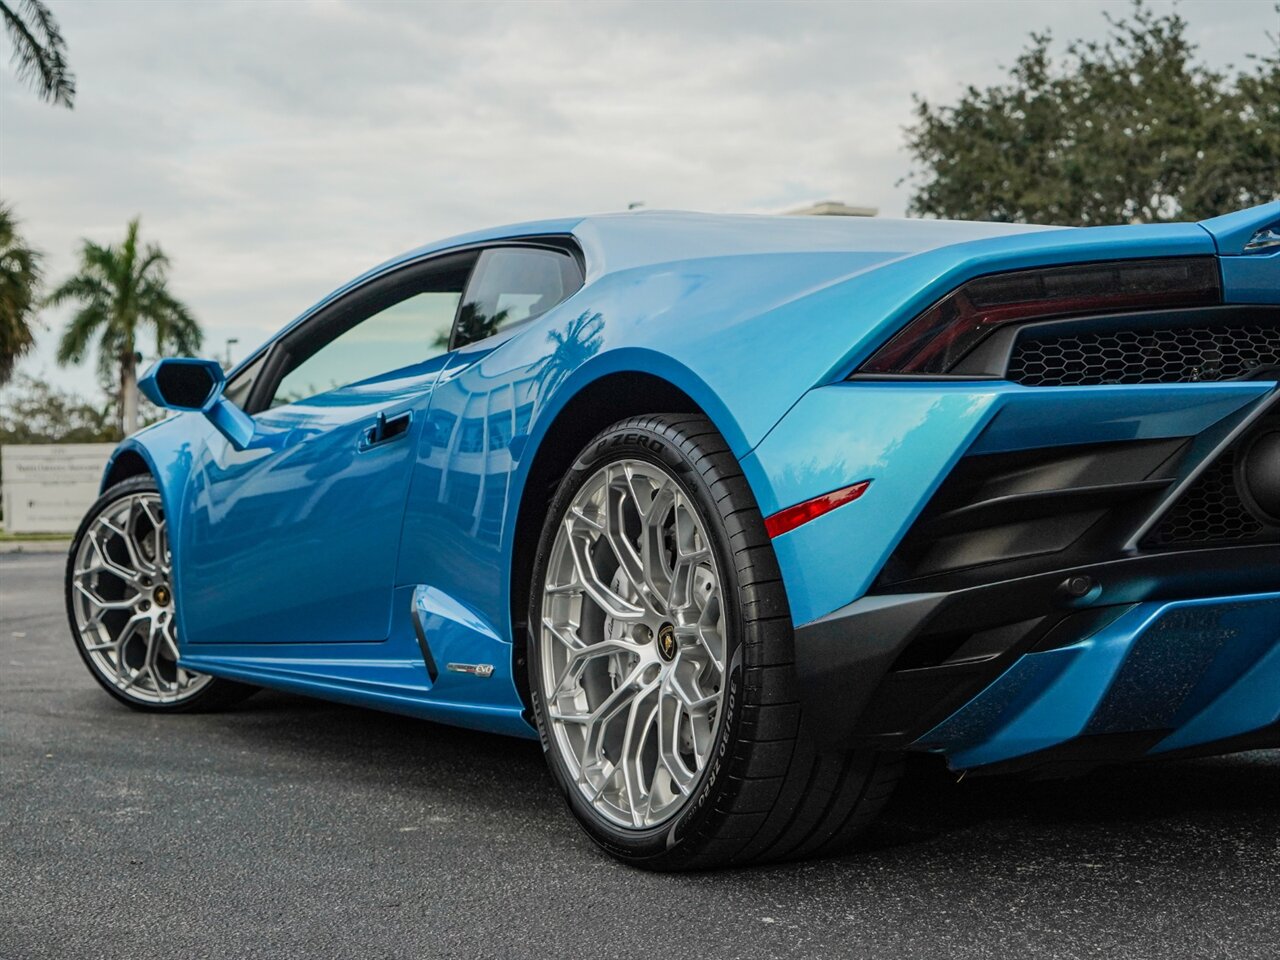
x: 35, y: 546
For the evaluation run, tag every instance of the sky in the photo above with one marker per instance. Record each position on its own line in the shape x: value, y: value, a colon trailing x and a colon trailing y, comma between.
x: 277, y: 148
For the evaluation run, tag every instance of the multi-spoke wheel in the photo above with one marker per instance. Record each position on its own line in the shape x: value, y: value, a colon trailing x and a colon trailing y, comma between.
x: 633, y: 647
x: 121, y: 605
x: 660, y: 663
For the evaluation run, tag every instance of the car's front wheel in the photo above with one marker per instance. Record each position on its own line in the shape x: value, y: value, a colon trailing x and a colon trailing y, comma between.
x: 661, y: 663
x: 121, y: 606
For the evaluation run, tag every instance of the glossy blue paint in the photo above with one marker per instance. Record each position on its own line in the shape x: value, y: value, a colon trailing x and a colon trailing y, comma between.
x: 1252, y: 279
x: 1031, y: 418
x: 391, y: 675
x: 458, y: 635
x: 168, y: 448
x: 1247, y: 276
x: 233, y: 423
x: 1232, y: 232
x: 301, y: 557
x: 295, y: 537
x: 1204, y: 669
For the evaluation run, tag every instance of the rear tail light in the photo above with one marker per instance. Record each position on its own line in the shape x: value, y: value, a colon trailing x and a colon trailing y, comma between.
x: 941, y: 336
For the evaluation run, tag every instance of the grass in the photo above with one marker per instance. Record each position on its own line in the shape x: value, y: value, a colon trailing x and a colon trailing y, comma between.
x: 7, y: 537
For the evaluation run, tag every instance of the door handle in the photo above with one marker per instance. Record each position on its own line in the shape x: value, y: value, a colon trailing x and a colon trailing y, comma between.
x: 385, y: 429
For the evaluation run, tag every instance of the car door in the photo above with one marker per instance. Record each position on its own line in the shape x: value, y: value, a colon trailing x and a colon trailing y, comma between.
x: 295, y: 537
x: 479, y: 418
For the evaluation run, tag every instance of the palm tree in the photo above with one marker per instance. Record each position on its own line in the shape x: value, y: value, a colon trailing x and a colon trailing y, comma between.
x: 19, y: 281
x: 39, y: 52
x: 122, y: 289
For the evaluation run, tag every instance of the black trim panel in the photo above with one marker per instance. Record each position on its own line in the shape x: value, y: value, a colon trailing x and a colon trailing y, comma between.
x: 432, y: 671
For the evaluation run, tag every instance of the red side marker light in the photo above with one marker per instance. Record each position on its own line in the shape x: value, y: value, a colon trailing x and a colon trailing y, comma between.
x: 792, y: 517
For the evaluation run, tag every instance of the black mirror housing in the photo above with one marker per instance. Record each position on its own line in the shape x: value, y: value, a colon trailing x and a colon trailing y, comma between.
x: 195, y: 386
x: 183, y: 383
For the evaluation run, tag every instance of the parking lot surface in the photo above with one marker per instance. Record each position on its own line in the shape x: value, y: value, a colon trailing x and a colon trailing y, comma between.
x: 289, y: 827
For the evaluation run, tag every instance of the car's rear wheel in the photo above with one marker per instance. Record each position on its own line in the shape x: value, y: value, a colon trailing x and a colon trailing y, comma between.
x: 661, y: 663
x: 120, y: 603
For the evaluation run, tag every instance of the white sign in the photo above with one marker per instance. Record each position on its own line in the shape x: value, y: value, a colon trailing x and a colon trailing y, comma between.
x: 48, y: 487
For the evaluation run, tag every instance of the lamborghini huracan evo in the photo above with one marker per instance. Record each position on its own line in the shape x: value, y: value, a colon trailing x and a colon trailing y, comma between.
x: 731, y: 512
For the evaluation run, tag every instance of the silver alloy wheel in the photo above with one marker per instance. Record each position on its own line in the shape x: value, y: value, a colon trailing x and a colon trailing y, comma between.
x: 633, y: 643
x: 122, y: 598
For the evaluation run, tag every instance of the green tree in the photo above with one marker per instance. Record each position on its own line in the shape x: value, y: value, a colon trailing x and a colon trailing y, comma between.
x: 33, y: 411
x: 1128, y: 129
x: 122, y: 290
x: 39, y: 52
x: 19, y: 288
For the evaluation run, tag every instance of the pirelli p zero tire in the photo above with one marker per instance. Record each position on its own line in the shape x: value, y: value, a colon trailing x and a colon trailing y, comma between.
x: 661, y: 658
x: 120, y: 603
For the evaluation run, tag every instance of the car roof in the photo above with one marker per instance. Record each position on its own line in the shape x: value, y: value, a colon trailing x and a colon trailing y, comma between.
x: 616, y: 241
x: 624, y: 240
x: 619, y: 241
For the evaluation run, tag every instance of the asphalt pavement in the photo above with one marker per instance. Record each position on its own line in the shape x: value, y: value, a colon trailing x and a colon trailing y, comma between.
x: 289, y: 827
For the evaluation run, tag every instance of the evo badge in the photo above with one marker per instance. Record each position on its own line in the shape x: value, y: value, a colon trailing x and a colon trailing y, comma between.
x: 482, y: 670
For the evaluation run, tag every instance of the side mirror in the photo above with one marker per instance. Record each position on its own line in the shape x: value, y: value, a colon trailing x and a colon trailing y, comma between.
x: 191, y: 385
x: 183, y: 383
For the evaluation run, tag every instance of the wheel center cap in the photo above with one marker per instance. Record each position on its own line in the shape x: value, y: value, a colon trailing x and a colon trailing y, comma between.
x: 161, y: 596
x: 667, y: 642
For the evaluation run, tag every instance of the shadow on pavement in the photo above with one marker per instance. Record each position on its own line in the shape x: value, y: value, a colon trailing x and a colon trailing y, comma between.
x: 930, y: 803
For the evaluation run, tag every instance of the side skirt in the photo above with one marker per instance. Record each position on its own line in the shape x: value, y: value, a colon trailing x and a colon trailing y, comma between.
x: 393, y: 674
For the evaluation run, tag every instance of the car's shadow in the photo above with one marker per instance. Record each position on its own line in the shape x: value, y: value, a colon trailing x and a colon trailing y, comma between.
x: 931, y: 802
x: 393, y: 752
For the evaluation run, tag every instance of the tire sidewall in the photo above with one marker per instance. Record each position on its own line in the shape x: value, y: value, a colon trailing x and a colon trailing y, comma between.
x: 697, y: 816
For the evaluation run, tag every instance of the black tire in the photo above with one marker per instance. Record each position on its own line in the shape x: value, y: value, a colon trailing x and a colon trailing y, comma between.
x: 215, y: 695
x: 770, y: 794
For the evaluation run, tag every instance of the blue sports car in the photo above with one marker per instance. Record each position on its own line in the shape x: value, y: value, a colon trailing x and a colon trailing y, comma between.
x: 732, y: 512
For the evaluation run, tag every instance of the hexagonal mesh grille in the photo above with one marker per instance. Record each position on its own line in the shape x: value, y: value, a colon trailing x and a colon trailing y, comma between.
x: 1185, y: 355
x: 1211, y: 511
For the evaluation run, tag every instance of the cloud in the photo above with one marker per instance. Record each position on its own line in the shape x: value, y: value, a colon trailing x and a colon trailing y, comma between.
x: 277, y: 149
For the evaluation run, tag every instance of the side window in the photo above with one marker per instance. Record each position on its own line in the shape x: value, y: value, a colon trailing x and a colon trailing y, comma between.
x: 398, y: 326
x: 512, y: 284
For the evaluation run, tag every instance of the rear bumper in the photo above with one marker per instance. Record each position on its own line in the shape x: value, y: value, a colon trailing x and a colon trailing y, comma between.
x: 1016, y: 670
x: 1162, y: 678
x: 1006, y: 532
